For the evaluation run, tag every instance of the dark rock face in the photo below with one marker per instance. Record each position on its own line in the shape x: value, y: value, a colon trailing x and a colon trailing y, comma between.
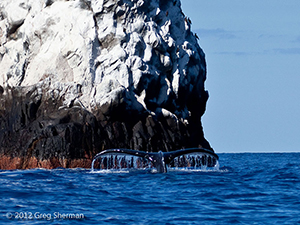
x: 35, y: 133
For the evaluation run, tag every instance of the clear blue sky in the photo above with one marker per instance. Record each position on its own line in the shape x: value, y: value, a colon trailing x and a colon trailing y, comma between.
x: 253, y: 73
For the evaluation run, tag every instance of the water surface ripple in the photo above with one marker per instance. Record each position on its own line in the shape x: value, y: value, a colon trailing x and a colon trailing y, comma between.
x: 248, y: 189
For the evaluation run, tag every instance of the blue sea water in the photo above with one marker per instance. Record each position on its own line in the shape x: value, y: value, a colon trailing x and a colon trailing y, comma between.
x: 260, y: 188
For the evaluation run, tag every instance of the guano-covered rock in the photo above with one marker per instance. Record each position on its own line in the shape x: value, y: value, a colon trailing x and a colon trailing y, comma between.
x: 80, y: 76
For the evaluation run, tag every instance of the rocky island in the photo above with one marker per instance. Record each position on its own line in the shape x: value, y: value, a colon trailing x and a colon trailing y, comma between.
x: 81, y: 76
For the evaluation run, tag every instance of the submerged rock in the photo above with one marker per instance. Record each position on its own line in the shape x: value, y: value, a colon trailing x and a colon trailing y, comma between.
x: 80, y: 76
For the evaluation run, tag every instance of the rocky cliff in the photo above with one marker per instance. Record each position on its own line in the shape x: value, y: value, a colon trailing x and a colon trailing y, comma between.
x: 80, y: 76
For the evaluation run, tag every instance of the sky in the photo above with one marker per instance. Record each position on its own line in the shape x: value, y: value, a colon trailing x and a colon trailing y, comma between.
x: 252, y: 53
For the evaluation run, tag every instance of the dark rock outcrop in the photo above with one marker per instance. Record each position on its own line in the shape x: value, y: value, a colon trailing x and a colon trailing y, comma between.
x: 34, y: 133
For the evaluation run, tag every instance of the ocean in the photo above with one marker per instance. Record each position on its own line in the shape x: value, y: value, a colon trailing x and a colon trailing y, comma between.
x: 248, y: 188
